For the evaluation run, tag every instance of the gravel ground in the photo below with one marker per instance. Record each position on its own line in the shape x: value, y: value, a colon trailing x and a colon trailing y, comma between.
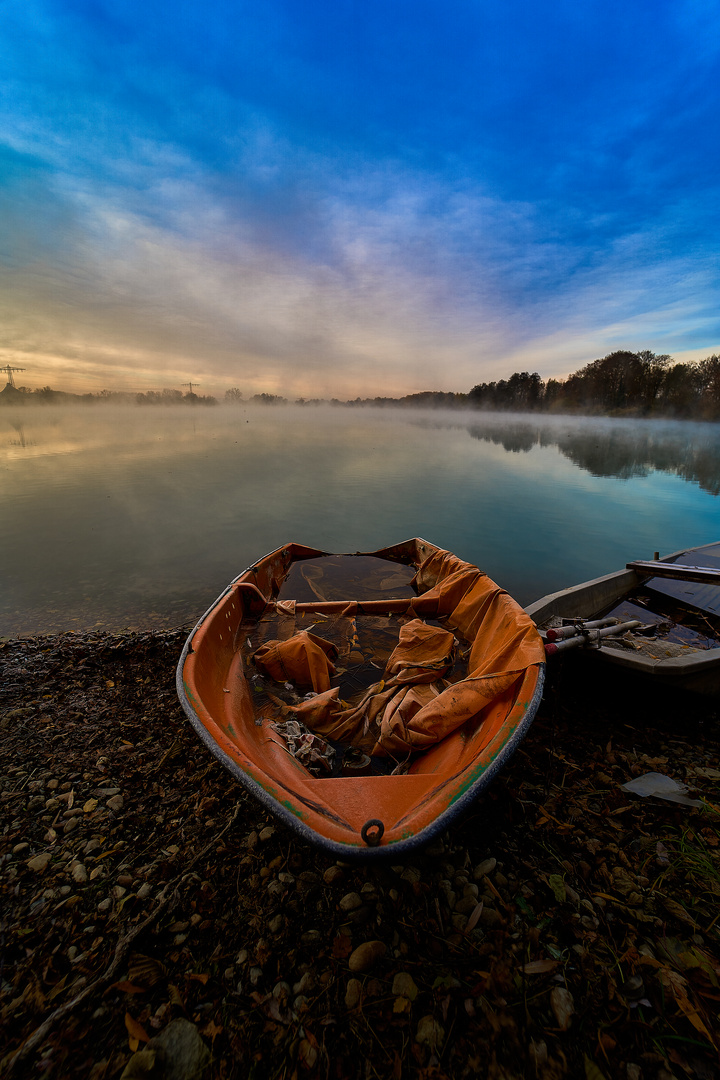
x: 156, y: 922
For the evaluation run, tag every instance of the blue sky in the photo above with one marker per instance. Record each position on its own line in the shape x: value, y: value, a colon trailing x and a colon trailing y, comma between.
x: 354, y: 198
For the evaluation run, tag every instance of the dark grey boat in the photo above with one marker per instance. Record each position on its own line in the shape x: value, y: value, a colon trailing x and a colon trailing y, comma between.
x: 676, y: 601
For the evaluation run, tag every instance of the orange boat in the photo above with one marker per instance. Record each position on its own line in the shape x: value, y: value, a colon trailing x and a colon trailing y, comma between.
x: 364, y: 699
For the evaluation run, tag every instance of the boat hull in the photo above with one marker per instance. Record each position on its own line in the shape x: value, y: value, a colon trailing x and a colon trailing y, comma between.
x: 333, y: 812
x: 696, y: 670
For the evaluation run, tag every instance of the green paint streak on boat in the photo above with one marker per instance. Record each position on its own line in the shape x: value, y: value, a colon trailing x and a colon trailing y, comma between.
x: 480, y: 769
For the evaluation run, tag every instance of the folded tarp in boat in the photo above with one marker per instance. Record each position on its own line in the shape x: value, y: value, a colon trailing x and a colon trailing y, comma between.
x: 411, y: 708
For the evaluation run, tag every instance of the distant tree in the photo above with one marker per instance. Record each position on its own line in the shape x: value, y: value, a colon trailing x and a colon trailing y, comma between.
x: 652, y: 376
x: 46, y: 393
x: 233, y: 395
x: 269, y: 399
x: 680, y: 392
x: 553, y: 393
x: 709, y: 380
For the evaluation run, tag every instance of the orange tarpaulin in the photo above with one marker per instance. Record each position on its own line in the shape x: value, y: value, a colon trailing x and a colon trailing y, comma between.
x: 303, y: 659
x: 411, y: 708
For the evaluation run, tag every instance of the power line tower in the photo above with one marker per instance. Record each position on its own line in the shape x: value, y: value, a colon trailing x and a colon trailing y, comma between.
x: 9, y: 372
x: 190, y: 385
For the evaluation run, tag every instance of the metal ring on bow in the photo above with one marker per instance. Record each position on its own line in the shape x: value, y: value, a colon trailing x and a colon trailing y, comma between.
x: 372, y: 838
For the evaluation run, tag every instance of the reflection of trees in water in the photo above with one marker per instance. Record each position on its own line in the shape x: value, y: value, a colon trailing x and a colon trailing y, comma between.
x: 619, y: 452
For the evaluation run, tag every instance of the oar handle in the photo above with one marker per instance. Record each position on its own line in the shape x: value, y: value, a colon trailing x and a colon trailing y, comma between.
x: 591, y: 637
x: 558, y: 633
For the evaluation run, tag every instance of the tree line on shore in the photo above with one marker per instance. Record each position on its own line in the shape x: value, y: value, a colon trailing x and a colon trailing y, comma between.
x: 620, y: 384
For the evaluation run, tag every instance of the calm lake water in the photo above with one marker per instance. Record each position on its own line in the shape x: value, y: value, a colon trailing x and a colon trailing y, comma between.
x: 138, y: 517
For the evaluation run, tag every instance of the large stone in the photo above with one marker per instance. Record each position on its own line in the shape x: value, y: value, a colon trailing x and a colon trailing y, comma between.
x: 177, y: 1053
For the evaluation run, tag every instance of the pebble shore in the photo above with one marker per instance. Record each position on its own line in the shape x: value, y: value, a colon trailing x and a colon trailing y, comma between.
x: 157, y: 922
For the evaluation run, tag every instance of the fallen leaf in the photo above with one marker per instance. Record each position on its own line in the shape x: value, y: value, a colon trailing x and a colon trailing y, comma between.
x: 128, y: 988
x: 540, y: 967
x: 474, y: 917
x: 136, y: 1032
x: 211, y: 1030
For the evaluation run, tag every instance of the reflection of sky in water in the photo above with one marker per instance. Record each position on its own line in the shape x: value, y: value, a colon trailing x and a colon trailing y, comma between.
x: 141, y: 516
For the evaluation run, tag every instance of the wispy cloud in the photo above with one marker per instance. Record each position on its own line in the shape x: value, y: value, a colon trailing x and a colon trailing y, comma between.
x: 346, y: 205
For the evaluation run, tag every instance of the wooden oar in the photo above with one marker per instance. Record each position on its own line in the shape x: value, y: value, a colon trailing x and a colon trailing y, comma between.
x: 363, y: 607
x: 707, y: 574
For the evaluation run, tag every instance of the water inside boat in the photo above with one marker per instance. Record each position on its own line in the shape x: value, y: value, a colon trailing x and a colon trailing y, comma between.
x: 363, y: 644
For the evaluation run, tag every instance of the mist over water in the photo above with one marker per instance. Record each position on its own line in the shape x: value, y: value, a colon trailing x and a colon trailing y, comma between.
x: 128, y: 518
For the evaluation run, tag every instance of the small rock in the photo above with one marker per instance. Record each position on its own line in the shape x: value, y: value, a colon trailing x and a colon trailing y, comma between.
x: 353, y: 993
x: 39, y: 862
x: 333, y: 874
x: 70, y: 825
x: 466, y: 905
x: 490, y: 917
x: 105, y: 904
x: 266, y: 834
x: 484, y: 868
x: 20, y: 848
x: 350, y: 901
x: 115, y: 804
x: 538, y: 1054
x: 430, y: 1033
x: 563, y: 1006
x: 306, y: 984
x: 311, y: 937
x: 144, y: 890
x: 79, y: 874
x: 277, y: 924
x: 411, y: 874
x: 404, y: 986
x: 118, y: 892
x: 366, y: 955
